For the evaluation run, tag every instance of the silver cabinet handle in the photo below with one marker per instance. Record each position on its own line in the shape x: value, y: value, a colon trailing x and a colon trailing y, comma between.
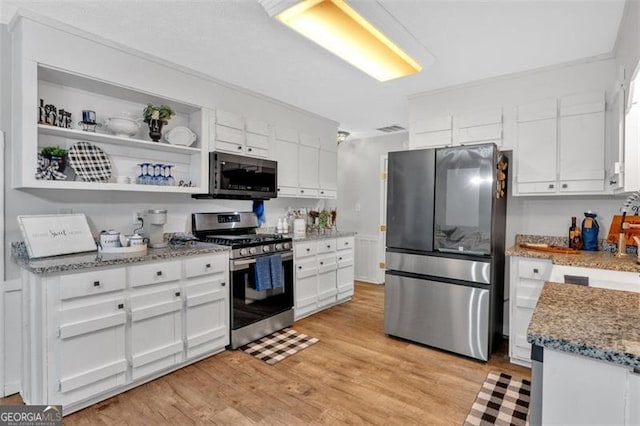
x: 613, y: 181
x: 223, y: 284
x: 159, y: 273
x: 551, y: 186
x: 96, y: 283
x: 564, y: 185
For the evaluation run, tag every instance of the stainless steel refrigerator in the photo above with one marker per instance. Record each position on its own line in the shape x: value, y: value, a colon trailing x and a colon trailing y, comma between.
x: 445, y: 247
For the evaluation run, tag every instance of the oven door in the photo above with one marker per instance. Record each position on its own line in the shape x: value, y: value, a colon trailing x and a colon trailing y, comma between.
x: 249, y: 305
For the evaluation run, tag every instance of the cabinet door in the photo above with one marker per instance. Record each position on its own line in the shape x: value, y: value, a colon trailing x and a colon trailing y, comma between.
x: 614, y: 127
x: 536, y: 152
x: 632, y: 404
x: 286, y: 154
x: 306, y: 287
x: 308, y: 163
x: 207, y: 315
x: 345, y: 278
x: 431, y: 132
x: 328, y: 171
x: 582, y: 148
x: 88, y: 357
x: 327, y: 280
x: 155, y: 336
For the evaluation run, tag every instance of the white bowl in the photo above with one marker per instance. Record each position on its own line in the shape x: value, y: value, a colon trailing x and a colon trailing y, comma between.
x: 122, y: 126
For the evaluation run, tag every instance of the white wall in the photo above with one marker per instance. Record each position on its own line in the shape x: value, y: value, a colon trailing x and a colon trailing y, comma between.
x: 359, y: 180
x: 628, y: 42
x: 548, y: 215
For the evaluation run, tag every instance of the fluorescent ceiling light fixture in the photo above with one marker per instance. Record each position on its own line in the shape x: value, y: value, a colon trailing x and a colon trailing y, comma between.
x: 334, y: 25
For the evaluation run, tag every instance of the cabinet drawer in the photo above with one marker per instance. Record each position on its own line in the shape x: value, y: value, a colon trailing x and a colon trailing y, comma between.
x: 345, y: 258
x: 595, y: 185
x: 228, y: 134
x: 343, y: 243
x: 256, y: 152
x: 257, y: 141
x: 307, y: 193
x: 205, y: 265
x: 534, y: 269
x: 306, y: 268
x: 90, y: 283
x: 229, y: 119
x: 327, y: 264
x: 257, y: 126
x: 327, y: 245
x: 233, y: 148
x: 305, y: 249
x: 155, y: 273
x: 287, y: 191
x: 328, y: 193
x: 548, y: 187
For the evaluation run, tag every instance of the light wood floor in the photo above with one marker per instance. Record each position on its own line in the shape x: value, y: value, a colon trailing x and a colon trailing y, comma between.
x: 354, y: 375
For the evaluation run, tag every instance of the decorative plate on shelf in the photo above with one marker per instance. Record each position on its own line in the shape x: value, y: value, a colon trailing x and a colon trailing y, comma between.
x: 180, y: 136
x: 89, y: 162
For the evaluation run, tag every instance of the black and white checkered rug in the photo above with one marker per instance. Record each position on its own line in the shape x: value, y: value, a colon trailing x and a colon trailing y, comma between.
x: 503, y: 400
x: 279, y: 345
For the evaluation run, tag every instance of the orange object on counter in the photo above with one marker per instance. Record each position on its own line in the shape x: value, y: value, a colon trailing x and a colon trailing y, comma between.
x: 629, y: 233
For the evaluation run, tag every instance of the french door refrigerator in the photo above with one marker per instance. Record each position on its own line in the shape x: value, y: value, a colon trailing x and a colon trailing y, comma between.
x: 445, y: 248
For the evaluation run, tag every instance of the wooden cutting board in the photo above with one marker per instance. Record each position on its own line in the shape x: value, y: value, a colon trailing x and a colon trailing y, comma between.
x: 614, y: 230
x: 549, y: 249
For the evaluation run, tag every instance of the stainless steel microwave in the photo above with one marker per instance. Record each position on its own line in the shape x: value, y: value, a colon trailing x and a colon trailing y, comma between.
x: 241, y: 178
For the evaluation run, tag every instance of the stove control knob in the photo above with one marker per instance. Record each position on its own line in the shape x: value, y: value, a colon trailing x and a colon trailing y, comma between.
x: 265, y: 249
x: 252, y: 250
x: 278, y: 246
x: 286, y: 246
x: 243, y: 252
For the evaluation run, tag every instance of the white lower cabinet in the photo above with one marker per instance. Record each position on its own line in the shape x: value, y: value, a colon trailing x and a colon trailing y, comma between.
x: 324, y: 275
x: 579, y: 390
x: 155, y: 334
x: 91, y: 335
x: 527, y: 276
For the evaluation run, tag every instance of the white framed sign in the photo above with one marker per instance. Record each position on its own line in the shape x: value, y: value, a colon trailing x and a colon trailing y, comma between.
x: 56, y: 234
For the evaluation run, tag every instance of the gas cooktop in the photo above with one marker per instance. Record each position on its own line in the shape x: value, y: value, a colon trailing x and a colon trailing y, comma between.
x: 243, y: 240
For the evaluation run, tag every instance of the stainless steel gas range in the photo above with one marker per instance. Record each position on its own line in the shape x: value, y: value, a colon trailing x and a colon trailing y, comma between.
x: 255, y: 311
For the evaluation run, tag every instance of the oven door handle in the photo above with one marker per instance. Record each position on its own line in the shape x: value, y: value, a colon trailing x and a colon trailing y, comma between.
x: 238, y: 265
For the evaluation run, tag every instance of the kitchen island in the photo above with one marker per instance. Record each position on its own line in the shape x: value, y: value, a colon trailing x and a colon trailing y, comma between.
x: 529, y: 269
x: 587, y: 343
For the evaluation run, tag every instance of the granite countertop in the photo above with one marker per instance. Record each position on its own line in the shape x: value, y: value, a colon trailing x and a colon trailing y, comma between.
x: 74, y: 262
x: 316, y: 236
x: 586, y: 259
x: 594, y: 322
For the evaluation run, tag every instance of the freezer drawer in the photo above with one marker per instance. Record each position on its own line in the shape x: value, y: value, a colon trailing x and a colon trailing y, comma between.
x: 456, y: 269
x: 443, y: 315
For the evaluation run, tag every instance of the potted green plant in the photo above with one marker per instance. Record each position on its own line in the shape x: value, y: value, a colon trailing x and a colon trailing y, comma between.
x: 156, y: 117
x: 55, y: 154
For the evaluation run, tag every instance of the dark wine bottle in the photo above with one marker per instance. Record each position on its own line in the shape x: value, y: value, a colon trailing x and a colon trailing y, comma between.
x: 572, y: 231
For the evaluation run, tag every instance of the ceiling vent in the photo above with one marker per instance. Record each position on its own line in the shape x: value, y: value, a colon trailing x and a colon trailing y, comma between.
x: 391, y: 129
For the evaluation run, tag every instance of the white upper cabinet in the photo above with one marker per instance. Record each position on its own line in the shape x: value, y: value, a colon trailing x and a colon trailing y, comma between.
x: 482, y: 126
x: 328, y: 174
x: 581, y: 166
x: 308, y: 167
x: 329, y: 144
x: 615, y: 146
x: 536, y: 150
x: 304, y: 170
x: 238, y: 135
x: 560, y: 146
x: 431, y: 132
x: 286, y: 154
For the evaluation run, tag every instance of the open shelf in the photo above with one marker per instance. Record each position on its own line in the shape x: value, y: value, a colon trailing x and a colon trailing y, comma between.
x: 109, y: 186
x: 81, y: 135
